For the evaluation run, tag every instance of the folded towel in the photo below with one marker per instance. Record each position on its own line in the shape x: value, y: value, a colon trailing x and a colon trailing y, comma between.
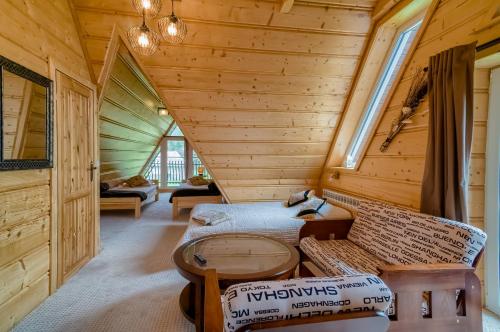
x: 211, y: 217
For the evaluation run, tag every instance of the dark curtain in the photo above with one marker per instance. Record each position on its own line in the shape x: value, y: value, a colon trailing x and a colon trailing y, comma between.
x: 445, y: 182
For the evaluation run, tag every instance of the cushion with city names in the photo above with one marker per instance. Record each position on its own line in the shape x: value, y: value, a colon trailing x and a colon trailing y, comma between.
x: 264, y: 301
x: 400, y: 236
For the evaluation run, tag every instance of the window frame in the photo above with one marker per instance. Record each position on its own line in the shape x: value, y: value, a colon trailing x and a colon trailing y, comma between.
x: 387, y: 93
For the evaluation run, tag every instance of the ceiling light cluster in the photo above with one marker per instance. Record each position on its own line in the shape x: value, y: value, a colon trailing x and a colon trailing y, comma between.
x: 144, y: 40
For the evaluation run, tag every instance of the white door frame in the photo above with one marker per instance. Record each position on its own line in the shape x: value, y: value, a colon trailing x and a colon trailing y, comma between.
x: 492, y: 196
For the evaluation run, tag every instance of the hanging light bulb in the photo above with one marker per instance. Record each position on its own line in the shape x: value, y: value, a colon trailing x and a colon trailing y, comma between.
x: 150, y: 7
x: 142, y: 39
x: 172, y: 28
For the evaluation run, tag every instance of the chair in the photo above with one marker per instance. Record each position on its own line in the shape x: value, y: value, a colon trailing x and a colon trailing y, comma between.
x: 366, y: 320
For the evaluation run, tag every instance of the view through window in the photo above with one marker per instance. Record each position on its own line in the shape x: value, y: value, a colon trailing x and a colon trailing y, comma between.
x: 173, y: 160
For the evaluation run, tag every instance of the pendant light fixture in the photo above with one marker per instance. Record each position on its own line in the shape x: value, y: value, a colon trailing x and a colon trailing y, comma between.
x: 142, y: 39
x: 172, y: 28
x: 150, y: 7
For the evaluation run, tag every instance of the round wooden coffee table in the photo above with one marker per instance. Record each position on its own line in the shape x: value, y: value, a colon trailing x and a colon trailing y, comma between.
x: 237, y: 257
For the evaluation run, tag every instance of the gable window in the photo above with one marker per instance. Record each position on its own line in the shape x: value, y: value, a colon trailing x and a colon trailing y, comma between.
x: 403, y: 40
x: 174, y: 161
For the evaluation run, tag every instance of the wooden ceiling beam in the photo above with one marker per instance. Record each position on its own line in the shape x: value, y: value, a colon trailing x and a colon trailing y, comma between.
x: 286, y: 6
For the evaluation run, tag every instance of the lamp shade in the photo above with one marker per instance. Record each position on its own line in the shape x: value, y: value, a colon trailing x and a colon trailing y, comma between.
x: 162, y: 111
x: 172, y: 29
x: 150, y: 8
x: 143, y: 40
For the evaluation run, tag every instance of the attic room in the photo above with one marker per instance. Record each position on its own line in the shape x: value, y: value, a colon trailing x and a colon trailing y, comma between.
x: 244, y: 165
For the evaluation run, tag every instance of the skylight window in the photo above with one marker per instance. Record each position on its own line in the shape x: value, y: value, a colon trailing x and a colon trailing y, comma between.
x: 388, y: 74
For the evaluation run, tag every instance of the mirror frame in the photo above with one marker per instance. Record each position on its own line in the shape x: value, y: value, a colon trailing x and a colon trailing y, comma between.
x: 17, y: 164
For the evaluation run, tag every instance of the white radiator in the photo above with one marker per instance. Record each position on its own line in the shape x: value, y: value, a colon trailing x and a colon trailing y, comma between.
x: 343, y: 200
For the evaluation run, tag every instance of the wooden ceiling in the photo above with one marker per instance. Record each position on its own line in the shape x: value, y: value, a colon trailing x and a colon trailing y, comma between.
x: 256, y: 91
x: 129, y: 125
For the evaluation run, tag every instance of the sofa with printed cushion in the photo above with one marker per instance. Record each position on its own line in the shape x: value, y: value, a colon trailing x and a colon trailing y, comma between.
x: 428, y: 263
x: 343, y: 303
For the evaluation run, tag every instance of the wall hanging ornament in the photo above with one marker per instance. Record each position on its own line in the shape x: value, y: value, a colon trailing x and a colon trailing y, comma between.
x: 142, y: 39
x: 149, y: 7
x: 417, y: 92
x: 172, y: 28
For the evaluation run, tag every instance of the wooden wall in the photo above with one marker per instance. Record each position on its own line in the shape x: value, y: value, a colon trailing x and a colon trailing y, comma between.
x: 130, y: 127
x: 256, y: 92
x: 31, y: 31
x: 395, y: 176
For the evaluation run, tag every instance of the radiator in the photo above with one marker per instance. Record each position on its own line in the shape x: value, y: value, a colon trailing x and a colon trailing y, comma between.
x: 343, y: 200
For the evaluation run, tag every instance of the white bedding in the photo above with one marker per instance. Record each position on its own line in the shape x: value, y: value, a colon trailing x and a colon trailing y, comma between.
x: 266, y: 218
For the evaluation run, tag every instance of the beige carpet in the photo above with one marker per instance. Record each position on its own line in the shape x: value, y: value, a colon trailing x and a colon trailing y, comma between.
x: 131, y: 286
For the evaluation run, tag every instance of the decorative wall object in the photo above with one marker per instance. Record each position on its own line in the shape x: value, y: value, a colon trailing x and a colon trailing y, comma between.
x: 172, y: 28
x: 418, y: 90
x: 26, y: 112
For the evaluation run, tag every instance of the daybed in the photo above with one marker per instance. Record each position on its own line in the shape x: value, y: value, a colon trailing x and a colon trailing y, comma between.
x: 126, y: 198
x: 267, y: 218
x: 428, y: 263
x: 187, y: 196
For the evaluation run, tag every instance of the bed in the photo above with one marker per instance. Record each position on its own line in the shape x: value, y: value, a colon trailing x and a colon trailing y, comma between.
x: 187, y: 196
x: 267, y: 218
x: 126, y: 198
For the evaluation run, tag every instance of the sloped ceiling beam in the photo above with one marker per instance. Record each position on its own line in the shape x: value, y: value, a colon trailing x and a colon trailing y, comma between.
x: 285, y: 6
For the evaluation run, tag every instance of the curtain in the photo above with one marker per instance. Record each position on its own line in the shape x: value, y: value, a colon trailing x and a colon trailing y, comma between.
x: 445, y: 181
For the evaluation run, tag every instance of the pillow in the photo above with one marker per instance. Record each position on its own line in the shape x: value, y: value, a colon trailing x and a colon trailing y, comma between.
x: 137, y: 181
x: 198, y: 181
x: 263, y: 301
x: 300, y: 197
x: 309, y: 209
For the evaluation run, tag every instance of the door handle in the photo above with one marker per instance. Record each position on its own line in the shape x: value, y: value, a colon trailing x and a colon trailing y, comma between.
x: 92, y: 169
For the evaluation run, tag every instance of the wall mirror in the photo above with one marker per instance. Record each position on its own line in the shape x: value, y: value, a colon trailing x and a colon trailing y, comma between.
x: 26, y: 111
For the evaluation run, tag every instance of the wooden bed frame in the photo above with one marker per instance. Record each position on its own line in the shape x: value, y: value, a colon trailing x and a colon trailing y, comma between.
x: 188, y: 202
x: 126, y: 203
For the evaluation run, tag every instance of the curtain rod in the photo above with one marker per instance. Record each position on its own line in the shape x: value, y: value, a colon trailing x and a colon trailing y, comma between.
x: 489, y: 44
x: 481, y: 47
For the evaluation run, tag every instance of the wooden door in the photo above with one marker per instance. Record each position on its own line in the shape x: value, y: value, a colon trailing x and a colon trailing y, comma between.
x: 75, y: 125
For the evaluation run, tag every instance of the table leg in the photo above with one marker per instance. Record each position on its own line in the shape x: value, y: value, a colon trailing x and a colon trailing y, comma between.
x: 192, y: 304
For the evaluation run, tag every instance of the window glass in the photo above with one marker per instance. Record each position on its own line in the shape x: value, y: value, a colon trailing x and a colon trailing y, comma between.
x: 394, y: 61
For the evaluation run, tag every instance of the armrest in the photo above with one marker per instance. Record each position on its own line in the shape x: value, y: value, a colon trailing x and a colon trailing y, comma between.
x: 426, y: 268
x: 213, y: 317
x: 321, y: 229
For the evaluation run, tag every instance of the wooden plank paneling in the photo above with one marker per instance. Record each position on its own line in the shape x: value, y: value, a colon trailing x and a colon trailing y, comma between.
x: 395, y: 175
x: 30, y: 32
x: 248, y: 80
x: 130, y: 127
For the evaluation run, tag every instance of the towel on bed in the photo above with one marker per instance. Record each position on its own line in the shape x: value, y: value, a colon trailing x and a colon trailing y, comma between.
x: 210, y: 217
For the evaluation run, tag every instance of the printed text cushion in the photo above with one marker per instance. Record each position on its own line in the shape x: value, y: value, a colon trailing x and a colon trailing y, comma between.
x: 263, y: 301
x: 340, y: 257
x: 400, y: 236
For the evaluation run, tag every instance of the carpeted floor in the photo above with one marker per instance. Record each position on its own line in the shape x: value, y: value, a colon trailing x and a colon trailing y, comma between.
x: 132, y: 285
